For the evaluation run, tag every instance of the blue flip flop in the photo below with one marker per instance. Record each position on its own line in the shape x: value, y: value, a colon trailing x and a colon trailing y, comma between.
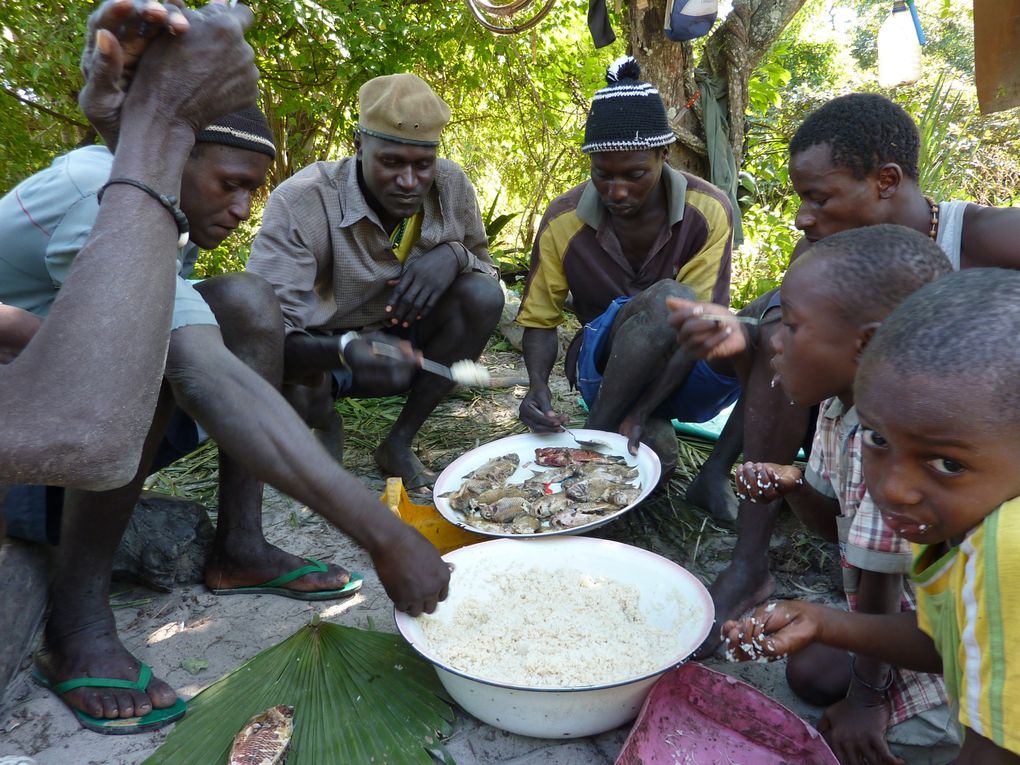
x: 276, y: 586
x: 157, y: 718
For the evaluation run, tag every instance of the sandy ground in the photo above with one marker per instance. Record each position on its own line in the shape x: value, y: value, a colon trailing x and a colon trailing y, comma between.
x: 166, y: 630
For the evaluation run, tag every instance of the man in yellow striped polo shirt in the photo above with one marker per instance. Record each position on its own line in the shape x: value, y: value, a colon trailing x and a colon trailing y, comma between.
x: 620, y: 243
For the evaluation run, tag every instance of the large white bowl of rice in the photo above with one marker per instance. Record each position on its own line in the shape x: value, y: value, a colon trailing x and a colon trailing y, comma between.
x: 559, y: 637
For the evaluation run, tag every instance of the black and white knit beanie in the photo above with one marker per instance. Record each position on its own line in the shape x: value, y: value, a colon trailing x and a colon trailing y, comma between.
x: 245, y: 129
x: 627, y: 114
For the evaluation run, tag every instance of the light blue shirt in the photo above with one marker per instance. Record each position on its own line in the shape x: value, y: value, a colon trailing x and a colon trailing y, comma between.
x: 45, y: 221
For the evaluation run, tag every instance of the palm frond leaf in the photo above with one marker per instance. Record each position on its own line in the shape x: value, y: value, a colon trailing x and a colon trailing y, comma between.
x: 358, y: 696
x: 946, y: 146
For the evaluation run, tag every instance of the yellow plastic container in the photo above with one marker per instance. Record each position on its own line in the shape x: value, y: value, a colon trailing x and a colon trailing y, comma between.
x: 433, y: 526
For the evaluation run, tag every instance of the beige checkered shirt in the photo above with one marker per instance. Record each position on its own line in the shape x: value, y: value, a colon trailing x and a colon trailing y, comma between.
x: 328, y: 257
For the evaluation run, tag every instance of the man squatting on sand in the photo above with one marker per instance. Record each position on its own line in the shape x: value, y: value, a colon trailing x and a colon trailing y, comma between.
x: 385, y: 246
x: 637, y: 232
x: 223, y: 373
x: 853, y: 162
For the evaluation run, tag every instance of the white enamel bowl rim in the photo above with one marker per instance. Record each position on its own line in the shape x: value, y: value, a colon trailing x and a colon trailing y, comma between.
x: 411, y: 632
x: 524, y: 444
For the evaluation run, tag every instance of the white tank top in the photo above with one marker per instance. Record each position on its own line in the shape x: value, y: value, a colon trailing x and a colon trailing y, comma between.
x: 950, y: 233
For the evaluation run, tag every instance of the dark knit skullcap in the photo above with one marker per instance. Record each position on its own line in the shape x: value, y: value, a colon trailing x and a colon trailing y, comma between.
x: 244, y: 129
x: 627, y: 114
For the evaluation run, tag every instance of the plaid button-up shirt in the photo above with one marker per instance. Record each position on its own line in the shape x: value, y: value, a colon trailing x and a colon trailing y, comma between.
x: 328, y: 257
x: 865, y: 541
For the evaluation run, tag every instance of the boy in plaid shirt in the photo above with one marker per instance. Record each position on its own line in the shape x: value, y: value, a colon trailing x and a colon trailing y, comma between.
x: 839, y: 293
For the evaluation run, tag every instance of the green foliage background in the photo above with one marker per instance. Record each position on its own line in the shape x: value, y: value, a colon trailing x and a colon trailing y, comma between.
x: 519, y: 103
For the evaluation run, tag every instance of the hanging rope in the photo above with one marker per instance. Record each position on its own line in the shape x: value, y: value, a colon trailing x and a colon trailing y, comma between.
x: 497, y: 17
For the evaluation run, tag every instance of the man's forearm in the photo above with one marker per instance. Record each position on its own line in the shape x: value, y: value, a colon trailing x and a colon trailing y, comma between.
x: 307, y: 354
x: 540, y: 349
x: 134, y: 237
x: 674, y: 374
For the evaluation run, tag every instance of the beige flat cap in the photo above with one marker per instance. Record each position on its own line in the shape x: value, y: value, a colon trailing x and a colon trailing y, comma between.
x: 402, y: 108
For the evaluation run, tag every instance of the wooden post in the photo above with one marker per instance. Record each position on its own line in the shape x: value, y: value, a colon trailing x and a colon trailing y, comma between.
x: 997, y: 54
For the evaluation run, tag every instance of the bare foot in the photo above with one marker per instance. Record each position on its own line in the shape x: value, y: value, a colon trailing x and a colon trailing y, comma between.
x: 401, y: 461
x: 94, y: 650
x: 250, y: 564
x: 713, y: 494
x: 737, y: 589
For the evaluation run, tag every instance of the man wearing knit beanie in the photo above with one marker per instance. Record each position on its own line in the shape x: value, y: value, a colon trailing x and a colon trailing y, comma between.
x: 223, y: 367
x: 387, y: 246
x: 620, y: 243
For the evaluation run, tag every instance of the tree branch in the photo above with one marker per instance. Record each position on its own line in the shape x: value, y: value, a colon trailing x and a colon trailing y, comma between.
x: 40, y: 108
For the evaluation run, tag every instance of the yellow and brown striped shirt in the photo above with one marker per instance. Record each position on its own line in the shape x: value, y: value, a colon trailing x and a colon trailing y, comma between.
x: 576, y: 250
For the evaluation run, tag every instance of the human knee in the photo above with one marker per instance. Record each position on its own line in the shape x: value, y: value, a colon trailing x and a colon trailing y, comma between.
x: 478, y: 298
x: 807, y: 679
x: 649, y: 309
x: 654, y: 297
x: 244, y: 298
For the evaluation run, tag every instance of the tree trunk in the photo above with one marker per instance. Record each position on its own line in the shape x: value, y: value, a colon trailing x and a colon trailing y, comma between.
x: 732, y: 52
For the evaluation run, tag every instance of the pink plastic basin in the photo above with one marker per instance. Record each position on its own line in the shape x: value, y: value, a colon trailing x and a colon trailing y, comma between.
x: 697, y: 716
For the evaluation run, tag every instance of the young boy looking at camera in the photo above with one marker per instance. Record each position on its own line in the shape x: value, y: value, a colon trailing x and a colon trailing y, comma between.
x: 833, y: 299
x: 940, y: 464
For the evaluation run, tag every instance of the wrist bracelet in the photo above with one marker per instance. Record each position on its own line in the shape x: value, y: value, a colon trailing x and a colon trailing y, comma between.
x: 881, y: 689
x: 341, y: 346
x: 169, y: 201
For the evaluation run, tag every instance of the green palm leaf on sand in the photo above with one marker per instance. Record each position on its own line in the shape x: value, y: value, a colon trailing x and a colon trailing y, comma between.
x: 358, y: 696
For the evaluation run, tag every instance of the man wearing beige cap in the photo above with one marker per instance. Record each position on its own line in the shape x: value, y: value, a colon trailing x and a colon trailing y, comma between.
x: 385, y: 246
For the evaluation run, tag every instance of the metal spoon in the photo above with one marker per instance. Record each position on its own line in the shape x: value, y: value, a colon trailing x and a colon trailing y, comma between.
x: 590, y: 443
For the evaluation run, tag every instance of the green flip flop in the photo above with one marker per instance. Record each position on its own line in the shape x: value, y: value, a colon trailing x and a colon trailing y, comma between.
x: 157, y: 718
x: 276, y: 586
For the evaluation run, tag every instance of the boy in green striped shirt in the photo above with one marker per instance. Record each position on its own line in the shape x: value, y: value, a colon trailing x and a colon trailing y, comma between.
x: 940, y: 463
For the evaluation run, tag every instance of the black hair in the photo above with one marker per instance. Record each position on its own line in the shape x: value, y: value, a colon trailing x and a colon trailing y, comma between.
x: 963, y: 327
x: 873, y: 269
x: 864, y: 132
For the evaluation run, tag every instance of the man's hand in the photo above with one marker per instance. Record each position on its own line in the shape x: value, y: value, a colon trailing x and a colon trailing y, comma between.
x: 633, y: 426
x: 192, y: 79
x: 538, y: 414
x: 701, y: 338
x: 374, y: 371
x: 116, y: 36
x: 766, y: 481
x: 421, y: 285
x: 773, y: 631
x: 855, y: 729
x: 411, y: 572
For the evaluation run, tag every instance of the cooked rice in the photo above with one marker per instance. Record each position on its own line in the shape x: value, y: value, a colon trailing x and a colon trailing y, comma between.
x: 562, y: 629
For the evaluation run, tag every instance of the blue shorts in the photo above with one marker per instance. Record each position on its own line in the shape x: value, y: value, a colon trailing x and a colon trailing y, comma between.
x: 189, y: 306
x: 34, y: 512
x: 702, y: 396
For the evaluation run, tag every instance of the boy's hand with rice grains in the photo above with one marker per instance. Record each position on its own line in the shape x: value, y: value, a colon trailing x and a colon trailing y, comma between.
x: 766, y: 481
x: 772, y: 632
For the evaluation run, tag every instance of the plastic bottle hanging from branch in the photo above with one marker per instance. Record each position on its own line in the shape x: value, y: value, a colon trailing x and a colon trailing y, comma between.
x: 899, y: 46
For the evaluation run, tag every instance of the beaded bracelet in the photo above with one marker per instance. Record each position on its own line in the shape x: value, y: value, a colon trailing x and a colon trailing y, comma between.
x: 169, y: 201
x: 881, y: 689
